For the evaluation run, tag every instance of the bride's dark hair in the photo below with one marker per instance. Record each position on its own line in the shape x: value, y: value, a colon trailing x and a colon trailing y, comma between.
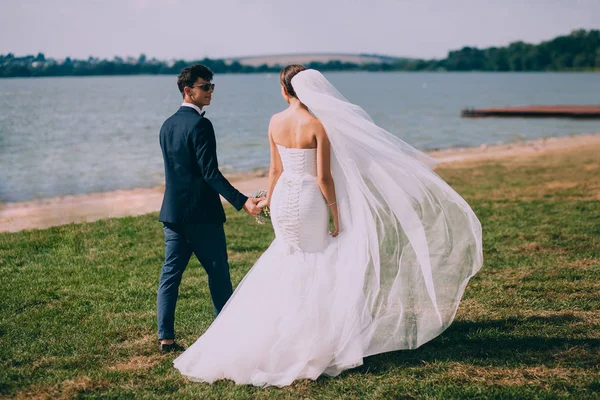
x: 286, y: 77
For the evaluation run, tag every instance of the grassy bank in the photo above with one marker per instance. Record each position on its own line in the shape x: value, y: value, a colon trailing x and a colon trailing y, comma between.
x: 77, y: 312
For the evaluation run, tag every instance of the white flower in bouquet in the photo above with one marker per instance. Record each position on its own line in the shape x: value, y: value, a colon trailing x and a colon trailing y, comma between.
x: 265, y: 214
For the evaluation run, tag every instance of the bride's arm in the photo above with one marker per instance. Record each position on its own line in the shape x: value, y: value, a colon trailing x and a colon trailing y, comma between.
x: 275, y: 168
x: 324, y: 174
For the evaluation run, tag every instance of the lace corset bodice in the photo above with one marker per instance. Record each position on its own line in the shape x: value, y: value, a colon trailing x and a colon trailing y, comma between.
x: 298, y: 210
x: 298, y: 161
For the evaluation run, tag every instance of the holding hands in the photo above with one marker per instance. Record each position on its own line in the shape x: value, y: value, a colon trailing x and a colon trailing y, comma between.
x: 254, y: 205
x: 260, y: 200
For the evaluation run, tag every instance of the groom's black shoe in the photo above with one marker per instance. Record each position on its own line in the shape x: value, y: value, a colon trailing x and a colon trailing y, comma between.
x: 171, y: 347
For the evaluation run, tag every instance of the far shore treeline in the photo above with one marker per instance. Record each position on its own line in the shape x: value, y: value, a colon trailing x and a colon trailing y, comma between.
x: 578, y: 51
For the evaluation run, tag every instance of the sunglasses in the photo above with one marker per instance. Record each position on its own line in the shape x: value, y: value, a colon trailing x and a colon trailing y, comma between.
x: 206, y: 87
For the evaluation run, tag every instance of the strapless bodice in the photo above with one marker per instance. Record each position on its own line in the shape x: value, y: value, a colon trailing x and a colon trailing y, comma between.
x: 298, y: 161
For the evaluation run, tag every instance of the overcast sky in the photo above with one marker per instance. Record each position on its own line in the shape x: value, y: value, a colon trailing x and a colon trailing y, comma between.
x: 192, y: 29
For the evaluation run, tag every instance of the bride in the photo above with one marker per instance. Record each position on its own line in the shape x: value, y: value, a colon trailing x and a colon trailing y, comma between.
x: 390, y: 274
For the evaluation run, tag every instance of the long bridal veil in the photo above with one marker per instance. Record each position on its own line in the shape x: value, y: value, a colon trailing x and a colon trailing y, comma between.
x: 408, y: 244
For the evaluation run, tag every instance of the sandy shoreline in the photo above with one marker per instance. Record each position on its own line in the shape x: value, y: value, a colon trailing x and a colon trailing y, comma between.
x: 93, y: 206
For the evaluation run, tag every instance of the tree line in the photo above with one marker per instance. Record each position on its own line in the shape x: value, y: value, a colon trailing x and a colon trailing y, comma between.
x: 578, y: 51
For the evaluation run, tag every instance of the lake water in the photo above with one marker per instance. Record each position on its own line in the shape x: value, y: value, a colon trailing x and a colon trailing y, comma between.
x: 72, y: 135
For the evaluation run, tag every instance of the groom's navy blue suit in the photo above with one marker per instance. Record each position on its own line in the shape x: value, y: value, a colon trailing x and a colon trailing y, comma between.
x: 191, y: 212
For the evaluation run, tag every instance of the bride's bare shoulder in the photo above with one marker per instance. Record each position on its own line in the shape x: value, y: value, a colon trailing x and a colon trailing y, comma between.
x: 312, y: 123
x: 306, y: 118
x: 277, y: 118
x: 279, y: 115
x: 274, y: 123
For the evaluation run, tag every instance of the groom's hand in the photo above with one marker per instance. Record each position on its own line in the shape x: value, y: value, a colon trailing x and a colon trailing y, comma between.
x: 251, y: 206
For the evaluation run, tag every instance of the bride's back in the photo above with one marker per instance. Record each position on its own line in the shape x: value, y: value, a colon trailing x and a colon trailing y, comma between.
x: 298, y: 211
x: 294, y: 128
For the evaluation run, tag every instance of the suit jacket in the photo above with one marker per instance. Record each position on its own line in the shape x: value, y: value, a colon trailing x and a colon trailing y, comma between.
x: 193, y: 179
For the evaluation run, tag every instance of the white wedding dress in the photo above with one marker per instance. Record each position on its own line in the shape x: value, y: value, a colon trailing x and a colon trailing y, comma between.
x: 391, y: 280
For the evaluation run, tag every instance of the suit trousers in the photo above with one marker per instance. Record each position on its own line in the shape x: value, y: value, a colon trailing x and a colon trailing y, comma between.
x: 207, y: 242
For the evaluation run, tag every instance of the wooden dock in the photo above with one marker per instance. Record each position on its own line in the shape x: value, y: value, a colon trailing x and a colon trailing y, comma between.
x: 559, y: 111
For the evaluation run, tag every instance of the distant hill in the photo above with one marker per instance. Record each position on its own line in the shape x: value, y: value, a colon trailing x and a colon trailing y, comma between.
x: 577, y: 51
x: 305, y: 58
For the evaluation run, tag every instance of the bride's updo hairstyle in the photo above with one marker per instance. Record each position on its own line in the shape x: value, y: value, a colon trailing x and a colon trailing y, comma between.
x: 286, y: 77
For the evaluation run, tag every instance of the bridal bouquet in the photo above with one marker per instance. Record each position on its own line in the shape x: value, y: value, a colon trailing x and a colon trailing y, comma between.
x: 265, y: 214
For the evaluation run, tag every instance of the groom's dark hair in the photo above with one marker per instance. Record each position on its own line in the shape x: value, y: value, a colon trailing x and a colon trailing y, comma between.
x: 189, y: 75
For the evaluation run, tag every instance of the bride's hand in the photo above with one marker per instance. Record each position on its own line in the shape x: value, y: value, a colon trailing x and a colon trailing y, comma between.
x: 263, y: 203
x: 336, y: 229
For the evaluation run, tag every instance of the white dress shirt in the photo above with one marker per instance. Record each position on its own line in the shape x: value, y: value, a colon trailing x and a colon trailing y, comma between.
x: 195, y: 107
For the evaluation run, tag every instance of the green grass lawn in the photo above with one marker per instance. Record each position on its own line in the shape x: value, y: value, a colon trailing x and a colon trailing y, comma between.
x: 77, y: 311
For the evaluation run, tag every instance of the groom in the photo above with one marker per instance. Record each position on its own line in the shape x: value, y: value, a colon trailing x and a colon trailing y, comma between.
x: 191, y: 212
